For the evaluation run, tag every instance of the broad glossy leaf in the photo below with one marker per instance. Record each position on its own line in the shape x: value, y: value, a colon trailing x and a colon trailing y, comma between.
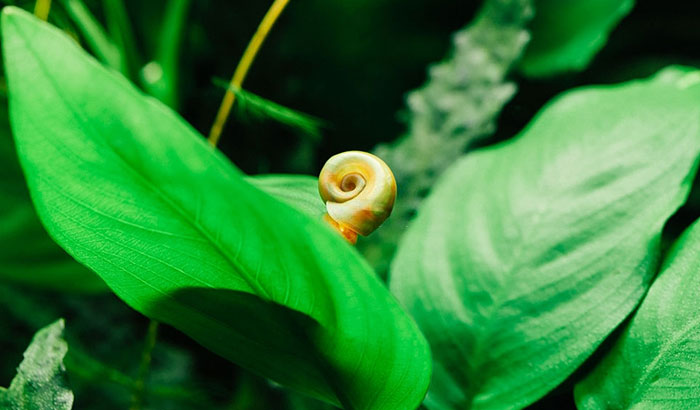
x: 528, y: 254
x: 129, y: 189
x: 27, y: 254
x: 41, y: 382
x: 298, y: 191
x: 566, y: 34
x: 656, y: 361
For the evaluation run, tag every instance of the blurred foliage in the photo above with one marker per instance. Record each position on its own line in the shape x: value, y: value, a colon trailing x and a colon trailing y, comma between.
x: 456, y: 108
x: 160, y: 76
x: 347, y: 63
x: 567, y: 34
x: 253, y: 107
x: 41, y: 382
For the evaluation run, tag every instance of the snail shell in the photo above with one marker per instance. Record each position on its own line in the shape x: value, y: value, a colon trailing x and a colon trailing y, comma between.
x: 359, y: 190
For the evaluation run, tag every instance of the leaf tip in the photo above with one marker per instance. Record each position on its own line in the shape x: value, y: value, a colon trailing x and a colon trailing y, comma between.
x: 10, y: 12
x: 9, y: 18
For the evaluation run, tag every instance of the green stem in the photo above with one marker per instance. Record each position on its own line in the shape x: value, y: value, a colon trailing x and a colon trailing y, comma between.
x: 83, y: 365
x: 144, y: 368
x: 243, y: 66
x: 90, y: 369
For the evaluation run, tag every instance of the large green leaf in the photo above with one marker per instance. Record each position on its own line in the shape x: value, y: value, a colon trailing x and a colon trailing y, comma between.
x: 40, y: 383
x: 27, y: 253
x: 566, y: 34
x: 528, y: 254
x: 656, y: 361
x: 129, y: 189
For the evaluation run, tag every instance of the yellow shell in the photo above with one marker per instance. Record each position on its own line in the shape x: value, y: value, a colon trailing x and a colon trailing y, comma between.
x: 359, y: 190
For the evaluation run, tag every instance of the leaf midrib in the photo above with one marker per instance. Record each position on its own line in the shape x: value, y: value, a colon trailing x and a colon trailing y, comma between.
x: 661, y: 358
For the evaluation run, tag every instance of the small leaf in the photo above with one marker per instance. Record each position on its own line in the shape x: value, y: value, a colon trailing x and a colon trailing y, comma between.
x: 249, y: 104
x: 41, y: 383
x: 94, y: 33
x: 528, y: 254
x: 566, y: 34
x: 656, y: 361
x: 132, y: 191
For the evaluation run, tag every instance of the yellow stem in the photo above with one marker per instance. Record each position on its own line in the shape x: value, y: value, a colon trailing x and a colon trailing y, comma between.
x: 42, y: 9
x: 242, y: 69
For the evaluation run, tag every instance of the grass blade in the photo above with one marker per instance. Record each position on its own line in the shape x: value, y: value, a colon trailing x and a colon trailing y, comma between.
x: 94, y: 33
x: 123, y: 35
x: 160, y: 76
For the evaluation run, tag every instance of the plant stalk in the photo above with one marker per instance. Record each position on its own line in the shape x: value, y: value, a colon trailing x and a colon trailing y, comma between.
x: 242, y: 69
x: 144, y: 368
x: 42, y: 9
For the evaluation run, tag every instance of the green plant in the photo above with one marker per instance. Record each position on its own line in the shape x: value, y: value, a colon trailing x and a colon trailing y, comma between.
x: 512, y: 274
x: 41, y: 377
x: 290, y: 319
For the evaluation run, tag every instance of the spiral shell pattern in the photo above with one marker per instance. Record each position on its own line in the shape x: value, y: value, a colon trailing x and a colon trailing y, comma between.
x: 359, y: 190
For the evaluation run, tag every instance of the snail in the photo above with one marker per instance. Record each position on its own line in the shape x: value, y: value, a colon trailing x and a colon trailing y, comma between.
x: 359, y: 190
